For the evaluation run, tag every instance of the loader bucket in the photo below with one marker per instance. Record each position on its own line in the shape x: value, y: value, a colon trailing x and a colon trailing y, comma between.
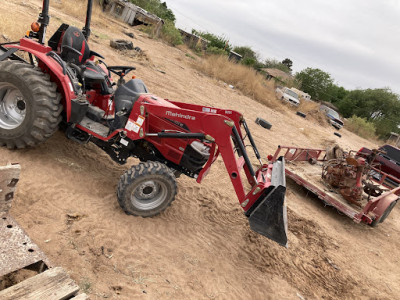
x: 269, y: 217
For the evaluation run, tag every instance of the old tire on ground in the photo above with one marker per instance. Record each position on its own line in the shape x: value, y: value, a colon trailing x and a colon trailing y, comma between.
x: 299, y: 113
x: 337, y: 134
x: 263, y: 123
x: 121, y: 44
x: 384, y: 215
x: 29, y: 105
x: 146, y: 189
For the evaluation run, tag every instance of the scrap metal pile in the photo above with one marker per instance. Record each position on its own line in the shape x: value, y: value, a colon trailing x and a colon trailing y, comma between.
x: 350, y: 174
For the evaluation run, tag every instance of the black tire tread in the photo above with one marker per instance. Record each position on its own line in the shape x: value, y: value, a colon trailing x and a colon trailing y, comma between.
x: 47, y: 100
x: 337, y: 134
x: 301, y: 114
x: 144, y: 168
x: 263, y: 123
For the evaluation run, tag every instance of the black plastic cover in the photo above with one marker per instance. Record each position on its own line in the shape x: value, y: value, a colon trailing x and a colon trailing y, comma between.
x: 127, y: 94
x: 78, y: 110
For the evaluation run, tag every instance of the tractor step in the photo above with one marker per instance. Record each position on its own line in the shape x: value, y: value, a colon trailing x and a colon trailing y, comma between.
x: 269, y: 216
x: 95, y: 127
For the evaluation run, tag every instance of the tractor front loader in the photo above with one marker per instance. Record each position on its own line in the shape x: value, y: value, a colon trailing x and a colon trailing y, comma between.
x: 63, y: 84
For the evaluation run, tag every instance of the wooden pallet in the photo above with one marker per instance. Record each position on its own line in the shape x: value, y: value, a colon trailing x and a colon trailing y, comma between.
x: 54, y: 284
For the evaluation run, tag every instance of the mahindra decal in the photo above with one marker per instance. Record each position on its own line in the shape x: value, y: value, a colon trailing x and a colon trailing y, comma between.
x: 178, y: 115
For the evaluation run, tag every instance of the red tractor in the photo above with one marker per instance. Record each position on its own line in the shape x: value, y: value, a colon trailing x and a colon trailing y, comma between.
x: 65, y: 84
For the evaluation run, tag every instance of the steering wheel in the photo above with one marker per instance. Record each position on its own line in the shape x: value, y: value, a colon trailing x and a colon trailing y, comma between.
x: 121, y: 71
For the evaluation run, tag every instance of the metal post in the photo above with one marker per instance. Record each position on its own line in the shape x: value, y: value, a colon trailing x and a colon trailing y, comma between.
x: 86, y: 29
x: 44, y: 21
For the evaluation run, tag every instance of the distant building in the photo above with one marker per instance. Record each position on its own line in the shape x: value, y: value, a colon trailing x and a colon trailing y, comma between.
x: 277, y: 74
x: 236, y: 57
x: 394, y: 139
x: 134, y: 15
x: 194, y: 41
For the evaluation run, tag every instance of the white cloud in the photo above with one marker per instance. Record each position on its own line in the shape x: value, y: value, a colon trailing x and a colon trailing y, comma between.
x: 341, y: 37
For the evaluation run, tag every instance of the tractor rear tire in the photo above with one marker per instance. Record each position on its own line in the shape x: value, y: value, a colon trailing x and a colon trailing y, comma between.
x: 30, y: 109
x: 146, y: 189
x: 385, y: 214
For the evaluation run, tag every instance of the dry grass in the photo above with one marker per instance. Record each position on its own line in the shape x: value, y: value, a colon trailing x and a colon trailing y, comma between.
x: 12, y: 28
x: 241, y: 77
x: 77, y: 10
x: 311, y: 109
x: 72, y: 12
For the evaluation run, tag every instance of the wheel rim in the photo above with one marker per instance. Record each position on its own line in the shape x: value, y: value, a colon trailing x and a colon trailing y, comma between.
x: 149, y: 194
x: 12, y: 106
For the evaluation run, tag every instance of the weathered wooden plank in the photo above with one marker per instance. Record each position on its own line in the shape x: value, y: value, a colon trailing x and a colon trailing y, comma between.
x: 80, y: 297
x: 53, y: 284
x: 9, y: 176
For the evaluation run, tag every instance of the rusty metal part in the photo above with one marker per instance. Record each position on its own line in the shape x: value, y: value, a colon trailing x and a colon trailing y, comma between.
x: 345, y: 174
x: 352, y: 194
x: 9, y: 176
x: 372, y: 189
x: 352, y: 161
x: 334, y: 152
x: 17, y: 250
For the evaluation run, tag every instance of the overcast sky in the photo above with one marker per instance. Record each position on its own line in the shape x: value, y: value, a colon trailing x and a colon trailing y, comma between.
x: 356, y: 41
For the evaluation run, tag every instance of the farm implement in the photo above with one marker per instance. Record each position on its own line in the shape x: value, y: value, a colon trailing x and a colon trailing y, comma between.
x: 342, y: 180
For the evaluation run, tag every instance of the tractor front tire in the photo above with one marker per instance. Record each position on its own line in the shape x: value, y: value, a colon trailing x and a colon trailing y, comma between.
x: 146, y: 189
x: 30, y: 109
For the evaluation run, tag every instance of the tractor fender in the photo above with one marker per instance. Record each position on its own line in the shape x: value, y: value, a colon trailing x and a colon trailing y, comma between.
x: 50, y: 66
x: 383, y: 204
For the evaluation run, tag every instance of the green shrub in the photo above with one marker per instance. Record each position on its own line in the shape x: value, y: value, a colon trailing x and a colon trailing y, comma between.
x: 361, y: 127
x: 215, y: 40
x: 216, y: 51
x: 149, y: 29
x: 170, y: 34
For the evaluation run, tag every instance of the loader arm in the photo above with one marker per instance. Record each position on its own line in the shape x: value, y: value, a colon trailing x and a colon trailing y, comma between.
x: 264, y: 203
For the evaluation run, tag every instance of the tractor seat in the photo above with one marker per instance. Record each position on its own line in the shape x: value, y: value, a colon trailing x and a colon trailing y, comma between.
x: 74, y: 38
x: 93, y: 76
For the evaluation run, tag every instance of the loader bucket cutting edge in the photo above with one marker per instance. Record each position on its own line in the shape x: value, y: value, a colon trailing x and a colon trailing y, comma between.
x: 269, y: 218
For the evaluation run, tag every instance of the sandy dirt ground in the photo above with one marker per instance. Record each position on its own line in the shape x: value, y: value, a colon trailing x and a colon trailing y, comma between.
x: 201, y: 247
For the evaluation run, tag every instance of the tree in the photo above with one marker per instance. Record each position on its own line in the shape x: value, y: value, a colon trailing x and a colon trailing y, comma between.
x: 315, y: 82
x: 288, y: 63
x: 379, y: 106
x: 275, y: 64
x: 336, y: 93
x: 249, y: 56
